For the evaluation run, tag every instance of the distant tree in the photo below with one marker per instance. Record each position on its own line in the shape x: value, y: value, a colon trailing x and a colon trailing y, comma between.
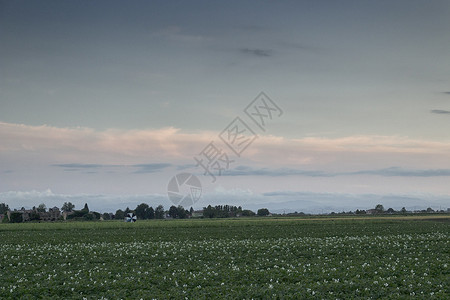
x: 119, y: 214
x: 89, y: 217
x: 173, y: 211
x: 85, y: 208
x: 68, y: 206
x: 150, y: 213
x: 221, y: 211
x: 106, y: 216
x: 159, y: 212
x: 247, y: 213
x: 430, y: 210
x: 16, y: 217
x: 403, y: 210
x: 379, y: 208
x: 263, y: 212
x: 209, y: 212
x: 41, y: 207
x: 191, y: 211
x: 181, y: 212
x: 390, y: 210
x: 141, y: 211
x: 5, y: 219
x: 77, y: 214
x: 127, y: 210
x: 3, y: 208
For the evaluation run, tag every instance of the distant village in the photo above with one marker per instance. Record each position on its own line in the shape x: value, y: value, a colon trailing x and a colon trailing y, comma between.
x: 27, y: 215
x: 144, y: 211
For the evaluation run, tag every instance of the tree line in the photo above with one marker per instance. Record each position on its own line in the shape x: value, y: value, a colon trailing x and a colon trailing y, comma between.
x: 145, y: 212
x: 227, y: 211
x: 142, y: 211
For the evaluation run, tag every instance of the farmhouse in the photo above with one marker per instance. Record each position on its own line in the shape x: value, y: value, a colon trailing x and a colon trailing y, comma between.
x: 197, y: 213
x: 27, y: 214
x: 52, y: 214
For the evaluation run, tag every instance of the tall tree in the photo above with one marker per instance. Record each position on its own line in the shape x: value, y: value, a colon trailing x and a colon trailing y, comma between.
x: 3, y: 208
x: 159, y: 212
x: 68, y: 206
x: 379, y: 208
x: 85, y: 208
x: 209, y: 212
x: 141, y: 211
x: 150, y: 213
x: 181, y: 212
x: 173, y: 211
x: 119, y: 214
x: 263, y: 212
x: 41, y: 207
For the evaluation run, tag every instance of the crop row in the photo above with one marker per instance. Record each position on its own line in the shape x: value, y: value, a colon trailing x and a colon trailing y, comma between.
x: 333, y: 267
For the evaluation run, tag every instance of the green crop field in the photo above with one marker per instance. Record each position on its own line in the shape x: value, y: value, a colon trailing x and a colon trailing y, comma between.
x: 236, y: 259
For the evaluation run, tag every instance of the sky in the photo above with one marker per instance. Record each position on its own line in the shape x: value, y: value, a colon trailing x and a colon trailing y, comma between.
x: 105, y: 101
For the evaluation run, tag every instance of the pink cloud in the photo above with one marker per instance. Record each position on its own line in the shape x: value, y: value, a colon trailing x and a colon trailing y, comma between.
x: 171, y: 144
